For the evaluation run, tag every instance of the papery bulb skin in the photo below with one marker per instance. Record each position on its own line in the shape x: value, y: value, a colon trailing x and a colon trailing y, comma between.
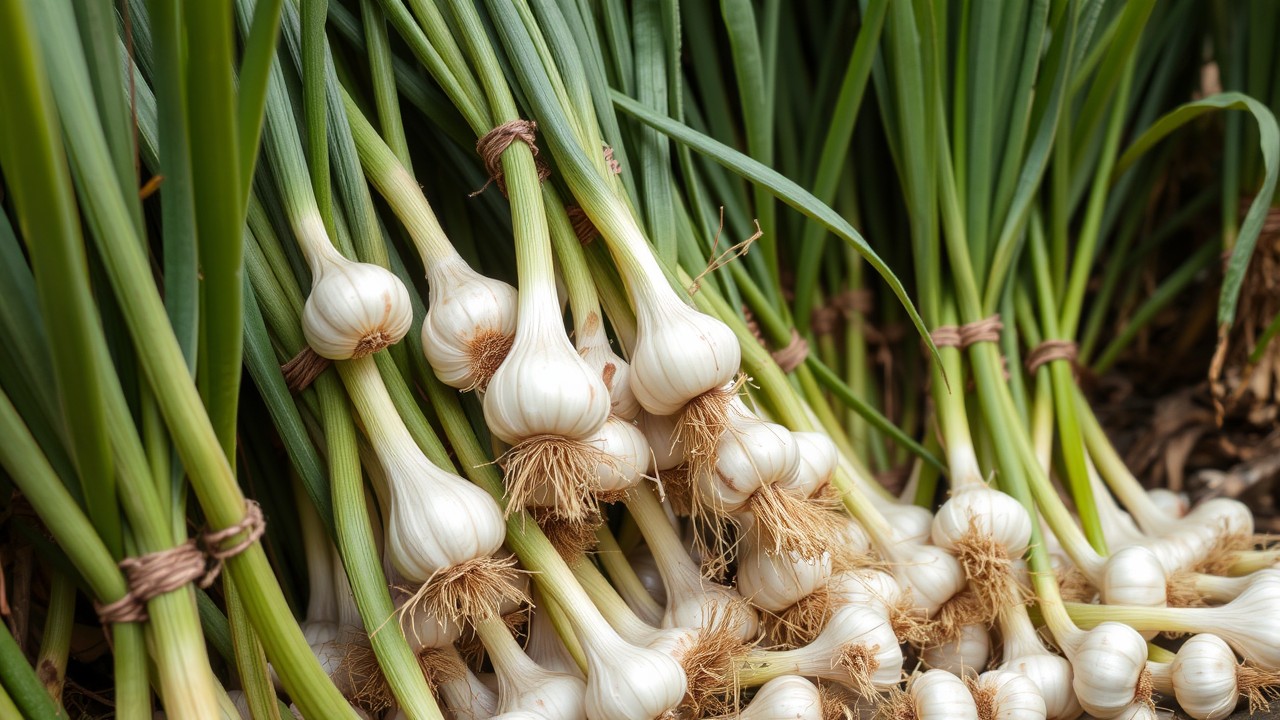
x: 437, y: 519
x: 939, y: 695
x: 680, y: 354
x: 470, y: 324
x: 423, y: 630
x: 1053, y: 677
x: 354, y: 309
x: 692, y: 601
x: 852, y: 628
x: 546, y: 693
x: 751, y: 455
x: 1225, y: 515
x: 1138, y: 711
x: 616, y: 372
x: 624, y: 455
x: 660, y: 432
x: 966, y: 655
x: 544, y: 388
x: 545, y: 647
x: 789, y: 697
x: 467, y: 698
x: 1011, y: 696
x: 819, y: 459
x: 865, y: 587
x: 1134, y: 576
x: 776, y: 582
x: 625, y: 682
x: 1107, y: 665
x: 1173, y: 505
x: 930, y: 574
x: 911, y: 524
x: 989, y: 513
x: 1240, y: 622
x: 1204, y: 678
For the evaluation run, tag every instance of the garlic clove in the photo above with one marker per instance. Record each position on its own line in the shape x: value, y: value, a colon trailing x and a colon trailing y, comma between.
x: 680, y: 354
x: 1107, y: 664
x: 1005, y: 695
x: 789, y: 697
x: 354, y: 309
x: 470, y: 324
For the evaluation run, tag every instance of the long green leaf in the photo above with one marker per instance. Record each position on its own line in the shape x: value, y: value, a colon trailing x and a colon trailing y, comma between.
x: 783, y: 189
x: 1269, y: 144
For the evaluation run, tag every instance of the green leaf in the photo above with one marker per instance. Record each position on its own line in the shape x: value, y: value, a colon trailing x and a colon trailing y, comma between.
x: 783, y: 189
x: 1269, y: 144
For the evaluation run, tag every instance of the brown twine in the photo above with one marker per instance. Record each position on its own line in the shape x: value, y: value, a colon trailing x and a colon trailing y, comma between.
x: 492, y: 144
x: 583, y: 228
x: 823, y: 320
x: 788, y: 358
x: 303, y: 369
x: 945, y: 336
x: 1051, y: 350
x: 984, y: 330
x: 154, y: 574
x: 614, y: 166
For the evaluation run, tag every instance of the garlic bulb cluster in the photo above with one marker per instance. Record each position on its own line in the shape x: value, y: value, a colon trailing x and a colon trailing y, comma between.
x: 857, y: 648
x: 354, y: 308
x: 470, y: 323
x: 789, y: 697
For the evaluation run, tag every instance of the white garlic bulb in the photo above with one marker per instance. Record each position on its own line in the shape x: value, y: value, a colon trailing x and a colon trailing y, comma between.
x: 626, y: 682
x: 680, y: 353
x: 911, y: 524
x: 938, y: 695
x: 1026, y: 654
x: 857, y: 648
x: 1203, y: 674
x: 660, y: 432
x: 775, y: 582
x: 789, y: 697
x: 965, y: 655
x: 989, y: 513
x: 544, y: 387
x: 467, y: 698
x: 1008, y: 696
x: 544, y: 645
x: 437, y: 519
x: 470, y: 323
x: 866, y: 587
x: 525, y: 686
x: 1237, y: 622
x: 1134, y: 576
x: 929, y: 574
x: 421, y: 628
x: 354, y: 309
x: 854, y: 540
x: 1107, y: 663
x: 819, y: 459
x: 1173, y: 505
x: 624, y: 455
x: 751, y: 454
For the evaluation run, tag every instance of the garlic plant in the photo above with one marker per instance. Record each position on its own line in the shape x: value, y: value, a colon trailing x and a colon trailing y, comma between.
x: 789, y: 697
x: 525, y: 686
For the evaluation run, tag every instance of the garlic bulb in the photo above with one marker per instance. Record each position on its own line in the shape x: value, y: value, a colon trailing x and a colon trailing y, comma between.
x: 911, y: 524
x: 625, y: 682
x: 544, y: 387
x: 646, y: 568
x: 1004, y: 695
x: 523, y: 685
x: 854, y: 540
x: 988, y: 514
x: 470, y: 323
x: 1203, y: 674
x: 593, y: 345
x: 930, y: 575
x: 354, y: 309
x: 857, y: 648
x: 624, y: 455
x: 421, y: 628
x: 776, y: 582
x: 544, y: 645
x: 819, y: 459
x: 789, y: 697
x: 438, y: 520
x: 938, y: 695
x: 1138, y: 711
x: 751, y: 455
x: 680, y: 353
x: 965, y: 655
x: 1134, y: 576
x: 1107, y: 662
x: 866, y: 587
